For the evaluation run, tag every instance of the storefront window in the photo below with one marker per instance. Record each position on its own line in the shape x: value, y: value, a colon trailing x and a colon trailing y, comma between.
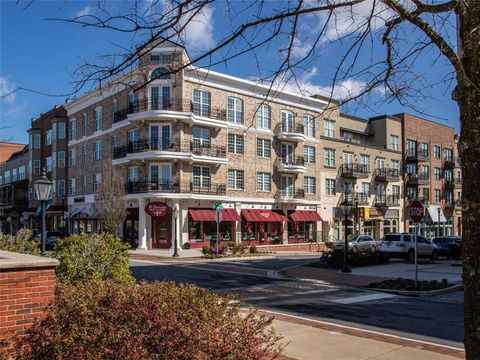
x: 195, y: 231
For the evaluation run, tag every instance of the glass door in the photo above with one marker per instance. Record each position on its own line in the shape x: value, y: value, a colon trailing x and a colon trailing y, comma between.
x: 160, y: 97
x: 161, y: 232
x: 347, y: 158
x: 287, y: 121
x: 160, y: 177
x: 288, y: 153
x: 287, y: 186
x: 133, y: 140
x: 160, y: 137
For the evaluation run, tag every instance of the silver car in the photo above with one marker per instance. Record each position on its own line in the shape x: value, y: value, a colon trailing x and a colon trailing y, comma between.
x: 359, y: 243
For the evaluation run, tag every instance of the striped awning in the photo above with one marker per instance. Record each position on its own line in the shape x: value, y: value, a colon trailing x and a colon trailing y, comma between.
x: 263, y: 215
x: 305, y: 216
x: 209, y: 215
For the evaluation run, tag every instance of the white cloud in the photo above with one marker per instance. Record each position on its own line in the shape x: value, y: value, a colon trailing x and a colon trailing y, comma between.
x: 87, y: 10
x: 198, y: 33
x: 8, y: 105
x: 6, y: 88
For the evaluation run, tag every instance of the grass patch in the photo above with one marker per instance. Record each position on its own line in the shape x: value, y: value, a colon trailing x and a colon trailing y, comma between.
x: 409, y: 285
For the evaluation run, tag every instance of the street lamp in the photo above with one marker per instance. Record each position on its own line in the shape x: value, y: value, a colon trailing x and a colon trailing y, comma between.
x: 175, y: 240
x: 357, y: 225
x: 43, y: 187
x: 438, y: 221
x: 346, y: 207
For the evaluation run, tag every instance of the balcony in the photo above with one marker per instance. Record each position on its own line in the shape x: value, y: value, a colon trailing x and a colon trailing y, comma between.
x: 417, y: 179
x: 145, y: 187
x: 290, y: 195
x: 173, y: 104
x: 449, y: 162
x: 293, y: 133
x: 384, y: 201
x: 458, y: 204
x: 147, y: 148
x: 355, y: 171
x: 393, y: 200
x: 386, y: 175
x: 292, y: 165
x: 449, y: 204
x: 416, y: 155
x: 450, y: 183
x: 352, y: 197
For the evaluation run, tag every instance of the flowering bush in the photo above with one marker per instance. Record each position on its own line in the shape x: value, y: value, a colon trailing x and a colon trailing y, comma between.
x: 92, y: 256
x: 106, y: 320
x: 20, y: 243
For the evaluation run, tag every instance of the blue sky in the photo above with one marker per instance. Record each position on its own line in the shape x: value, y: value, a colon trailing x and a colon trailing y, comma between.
x: 41, y: 55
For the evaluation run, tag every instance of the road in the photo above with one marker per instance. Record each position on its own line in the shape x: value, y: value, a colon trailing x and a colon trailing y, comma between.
x: 438, y: 320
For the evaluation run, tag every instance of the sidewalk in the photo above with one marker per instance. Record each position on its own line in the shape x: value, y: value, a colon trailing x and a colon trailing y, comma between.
x: 311, y: 340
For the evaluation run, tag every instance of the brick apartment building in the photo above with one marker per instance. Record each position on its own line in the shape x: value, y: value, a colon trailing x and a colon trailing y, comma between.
x: 189, y: 139
x: 433, y: 174
x: 47, y: 149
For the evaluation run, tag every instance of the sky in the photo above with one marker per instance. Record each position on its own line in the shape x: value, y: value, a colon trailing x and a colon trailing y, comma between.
x: 41, y: 55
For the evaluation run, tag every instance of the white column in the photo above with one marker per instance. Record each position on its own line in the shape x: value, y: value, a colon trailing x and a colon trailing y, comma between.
x: 142, y: 225
x: 178, y: 229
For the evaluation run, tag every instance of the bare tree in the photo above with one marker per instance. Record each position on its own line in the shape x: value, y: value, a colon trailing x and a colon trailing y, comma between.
x: 408, y: 30
x: 111, y: 204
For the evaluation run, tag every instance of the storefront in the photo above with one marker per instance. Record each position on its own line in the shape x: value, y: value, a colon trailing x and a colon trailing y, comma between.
x: 83, y: 220
x: 130, y: 227
x: 202, y: 227
x: 262, y: 226
x: 302, y: 226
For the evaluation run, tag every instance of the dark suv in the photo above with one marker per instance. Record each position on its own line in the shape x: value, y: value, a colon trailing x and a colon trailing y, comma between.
x: 449, y: 246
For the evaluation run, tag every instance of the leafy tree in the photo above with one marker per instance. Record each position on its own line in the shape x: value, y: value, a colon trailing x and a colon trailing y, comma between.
x: 20, y: 243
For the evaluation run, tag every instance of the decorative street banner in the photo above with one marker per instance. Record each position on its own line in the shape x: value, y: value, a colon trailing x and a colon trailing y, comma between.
x: 157, y: 209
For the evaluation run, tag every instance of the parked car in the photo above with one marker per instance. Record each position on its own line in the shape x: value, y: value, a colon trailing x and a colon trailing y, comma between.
x: 448, y: 246
x: 403, y: 246
x: 359, y: 243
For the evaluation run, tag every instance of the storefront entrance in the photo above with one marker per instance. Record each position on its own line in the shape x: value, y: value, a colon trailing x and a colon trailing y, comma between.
x: 162, y: 232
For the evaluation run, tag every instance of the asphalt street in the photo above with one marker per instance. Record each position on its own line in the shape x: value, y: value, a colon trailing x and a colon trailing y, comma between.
x: 435, y: 319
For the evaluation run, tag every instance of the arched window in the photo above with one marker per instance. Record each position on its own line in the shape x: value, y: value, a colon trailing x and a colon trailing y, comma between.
x: 160, y: 73
x: 386, y: 226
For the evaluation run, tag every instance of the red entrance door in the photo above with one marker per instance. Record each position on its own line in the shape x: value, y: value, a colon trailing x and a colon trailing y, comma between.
x: 162, y: 232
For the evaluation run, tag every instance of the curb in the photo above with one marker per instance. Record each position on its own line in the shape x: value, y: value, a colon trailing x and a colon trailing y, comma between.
x: 425, y: 293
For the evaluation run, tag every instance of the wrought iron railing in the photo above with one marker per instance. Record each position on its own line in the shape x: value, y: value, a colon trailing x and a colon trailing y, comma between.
x: 148, y: 186
x: 354, y: 170
x: 387, y: 174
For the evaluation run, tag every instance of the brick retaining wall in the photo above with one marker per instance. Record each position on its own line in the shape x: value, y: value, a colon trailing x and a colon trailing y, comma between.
x: 306, y: 247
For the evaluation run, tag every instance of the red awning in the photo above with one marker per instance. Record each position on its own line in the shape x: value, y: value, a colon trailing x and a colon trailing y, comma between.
x: 263, y: 215
x: 209, y: 215
x: 305, y: 216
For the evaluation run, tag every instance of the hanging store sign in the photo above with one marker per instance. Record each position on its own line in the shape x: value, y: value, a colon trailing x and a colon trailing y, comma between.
x: 157, y: 209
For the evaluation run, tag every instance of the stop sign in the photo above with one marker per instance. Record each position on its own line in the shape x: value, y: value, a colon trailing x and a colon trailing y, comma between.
x: 416, y: 211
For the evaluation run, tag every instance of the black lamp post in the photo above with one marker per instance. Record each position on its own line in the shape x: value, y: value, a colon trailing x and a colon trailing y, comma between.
x: 346, y: 207
x: 43, y: 187
x: 357, y: 225
x: 175, y: 240
x: 438, y: 221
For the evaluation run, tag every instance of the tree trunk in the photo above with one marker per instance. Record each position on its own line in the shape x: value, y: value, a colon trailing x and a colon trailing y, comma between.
x: 468, y: 98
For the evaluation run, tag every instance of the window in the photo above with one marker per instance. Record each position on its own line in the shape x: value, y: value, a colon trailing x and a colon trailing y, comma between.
x: 201, y: 103
x: 329, y: 128
x: 21, y: 173
x: 380, y: 163
x: 425, y: 172
x: 114, y: 110
x: 164, y: 58
x: 97, y: 180
x: 235, y: 143
x: 235, y: 179
x: 97, y: 150
x: 54, y: 131
x: 366, y: 188
x: 14, y: 174
x: 264, y: 148
x: 49, y: 163
x: 73, y: 129
x: 84, y: 124
x: 71, y: 187
x: 288, y: 121
x: 61, y: 159
x: 394, y: 141
x: 160, y: 73
x: 48, y: 138
x: 36, y: 141
x: 448, y: 175
x: 98, y: 119
x: 426, y: 194
x: 347, y: 158
x: 72, y: 157
x: 263, y: 117
x: 235, y: 110
x: 61, y: 135
x: 437, y: 174
x: 309, y: 154
x: 411, y: 169
x: 329, y: 157
x: 264, y: 181
x: 201, y: 137
x: 83, y: 186
x: 330, y: 186
x: 411, y: 192
x: 36, y: 166
x: 411, y: 148
x: 436, y: 151
x: 201, y: 176
x: 309, y: 185
x: 438, y: 195
x: 396, y: 191
x: 365, y: 162
x: 448, y: 154
x: 61, y: 188
x: 84, y: 153
x: 309, y: 125
x: 6, y: 174
x: 132, y: 174
x: 395, y: 164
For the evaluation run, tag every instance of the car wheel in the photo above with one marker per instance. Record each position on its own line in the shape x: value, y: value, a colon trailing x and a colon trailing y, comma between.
x: 411, y: 255
x: 373, y: 249
x: 354, y: 249
x: 435, y: 255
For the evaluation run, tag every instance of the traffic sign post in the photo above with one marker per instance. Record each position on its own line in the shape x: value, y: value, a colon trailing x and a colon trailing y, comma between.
x: 218, y: 207
x: 416, y: 212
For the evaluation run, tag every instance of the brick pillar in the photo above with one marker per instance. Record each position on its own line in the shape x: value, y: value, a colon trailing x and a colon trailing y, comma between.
x: 27, y: 285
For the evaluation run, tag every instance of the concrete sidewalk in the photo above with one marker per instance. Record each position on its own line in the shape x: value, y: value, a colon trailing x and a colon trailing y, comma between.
x: 311, y: 340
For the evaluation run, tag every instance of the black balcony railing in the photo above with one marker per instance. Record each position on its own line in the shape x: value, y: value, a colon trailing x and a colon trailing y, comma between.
x: 449, y: 203
x: 386, y: 174
x: 415, y: 179
x: 292, y: 160
x: 145, y: 186
x: 290, y: 194
x: 171, y: 104
x: 449, y: 162
x: 413, y: 154
x: 148, y: 144
x: 359, y: 197
x: 393, y: 200
x: 449, y: 183
x: 354, y: 170
x: 285, y: 128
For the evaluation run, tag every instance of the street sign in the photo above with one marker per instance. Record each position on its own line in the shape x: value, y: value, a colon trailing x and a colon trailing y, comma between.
x: 218, y: 216
x: 218, y: 206
x: 416, y: 211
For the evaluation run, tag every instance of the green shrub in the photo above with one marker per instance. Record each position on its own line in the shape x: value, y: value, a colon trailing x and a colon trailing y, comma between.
x: 101, y: 320
x: 253, y: 249
x: 187, y: 245
x: 206, y: 250
x: 92, y: 256
x: 20, y: 243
